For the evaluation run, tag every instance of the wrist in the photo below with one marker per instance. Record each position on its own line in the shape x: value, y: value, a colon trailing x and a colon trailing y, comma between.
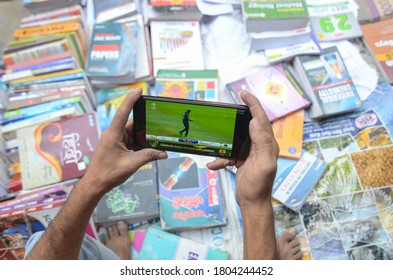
x: 89, y: 189
x: 257, y: 206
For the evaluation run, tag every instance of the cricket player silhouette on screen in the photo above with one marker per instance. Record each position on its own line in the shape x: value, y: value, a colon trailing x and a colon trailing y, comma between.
x: 186, y: 122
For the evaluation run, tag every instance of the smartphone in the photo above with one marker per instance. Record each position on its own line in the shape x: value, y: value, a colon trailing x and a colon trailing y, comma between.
x: 190, y: 126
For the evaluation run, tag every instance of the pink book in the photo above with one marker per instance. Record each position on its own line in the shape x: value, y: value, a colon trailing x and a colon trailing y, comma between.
x: 276, y: 89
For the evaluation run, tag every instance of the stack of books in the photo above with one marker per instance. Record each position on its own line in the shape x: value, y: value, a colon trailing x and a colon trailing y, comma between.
x: 276, y: 24
x: 164, y: 10
x: 44, y: 76
x: 40, y: 6
x: 29, y: 213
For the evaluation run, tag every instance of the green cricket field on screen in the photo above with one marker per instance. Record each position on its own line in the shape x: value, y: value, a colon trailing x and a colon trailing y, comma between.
x: 188, y: 127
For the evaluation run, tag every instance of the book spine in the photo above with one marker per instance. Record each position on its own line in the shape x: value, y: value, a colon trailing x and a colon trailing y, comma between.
x: 51, y: 96
x: 232, y: 94
x: 45, y: 30
x: 37, y: 72
x: 41, y: 65
x: 74, y: 10
x: 39, y: 80
x: 46, y: 206
x: 37, y: 52
x: 26, y: 112
x: 295, y: 83
x: 39, y: 202
x: 39, y: 61
x: 23, y: 199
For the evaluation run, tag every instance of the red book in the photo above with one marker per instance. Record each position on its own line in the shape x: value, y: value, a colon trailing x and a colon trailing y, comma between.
x: 57, y: 151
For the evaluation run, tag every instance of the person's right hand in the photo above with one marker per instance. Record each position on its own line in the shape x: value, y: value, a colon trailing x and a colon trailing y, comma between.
x: 255, y: 174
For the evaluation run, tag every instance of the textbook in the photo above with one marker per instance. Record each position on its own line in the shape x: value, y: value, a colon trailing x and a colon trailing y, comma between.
x: 57, y: 151
x: 378, y: 39
x: 190, y: 194
x: 36, y: 7
x: 287, y: 53
x: 277, y: 15
x: 374, y: 10
x: 279, y: 39
x: 161, y: 245
x: 164, y: 10
x: 327, y: 82
x: 295, y: 179
x: 333, y: 20
x: 176, y: 45
x: 288, y: 132
x: 112, y: 10
x: 189, y: 84
x: 276, y: 89
x: 133, y: 201
x: 113, y: 51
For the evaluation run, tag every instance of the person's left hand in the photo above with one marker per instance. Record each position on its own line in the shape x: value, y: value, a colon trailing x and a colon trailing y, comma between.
x: 116, y: 157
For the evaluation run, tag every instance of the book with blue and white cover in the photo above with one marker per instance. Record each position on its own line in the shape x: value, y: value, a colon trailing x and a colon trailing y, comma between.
x: 295, y: 179
x: 162, y: 245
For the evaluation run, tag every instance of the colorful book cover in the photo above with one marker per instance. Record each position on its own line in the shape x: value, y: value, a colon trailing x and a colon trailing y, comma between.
x: 295, y: 179
x: 133, y: 201
x: 189, y: 84
x: 288, y: 132
x: 57, y: 151
x: 330, y: 85
x: 113, y: 49
x: 275, y: 88
x: 176, y: 45
x: 378, y: 37
x: 162, y: 245
x: 190, y: 194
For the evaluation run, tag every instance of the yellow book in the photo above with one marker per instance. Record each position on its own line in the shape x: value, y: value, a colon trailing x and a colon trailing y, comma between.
x: 28, y: 32
x: 288, y: 132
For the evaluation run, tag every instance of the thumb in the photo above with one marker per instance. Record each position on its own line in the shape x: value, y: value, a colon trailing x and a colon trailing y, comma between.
x: 144, y: 156
x: 262, y: 142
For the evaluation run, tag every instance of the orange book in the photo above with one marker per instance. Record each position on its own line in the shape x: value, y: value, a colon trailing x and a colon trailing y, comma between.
x: 28, y: 32
x: 378, y: 38
x: 288, y: 132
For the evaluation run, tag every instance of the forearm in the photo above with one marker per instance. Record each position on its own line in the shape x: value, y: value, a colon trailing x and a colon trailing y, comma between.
x: 259, y: 235
x: 63, y: 238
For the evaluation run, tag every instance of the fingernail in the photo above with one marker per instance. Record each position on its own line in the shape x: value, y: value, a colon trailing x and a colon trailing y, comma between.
x: 255, y: 123
x: 293, y: 231
x: 162, y: 155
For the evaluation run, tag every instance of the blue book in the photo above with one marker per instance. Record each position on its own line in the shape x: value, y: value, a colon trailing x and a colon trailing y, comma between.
x: 54, y: 63
x: 27, y: 112
x: 295, y: 179
x: 162, y: 245
x: 113, y: 50
x: 190, y: 194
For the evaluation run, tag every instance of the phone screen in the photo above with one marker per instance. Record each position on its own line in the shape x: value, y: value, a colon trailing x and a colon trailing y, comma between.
x: 194, y: 128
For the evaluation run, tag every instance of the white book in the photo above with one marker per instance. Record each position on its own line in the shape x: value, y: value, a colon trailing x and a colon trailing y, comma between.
x: 286, y: 53
x: 176, y: 45
x: 279, y: 39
